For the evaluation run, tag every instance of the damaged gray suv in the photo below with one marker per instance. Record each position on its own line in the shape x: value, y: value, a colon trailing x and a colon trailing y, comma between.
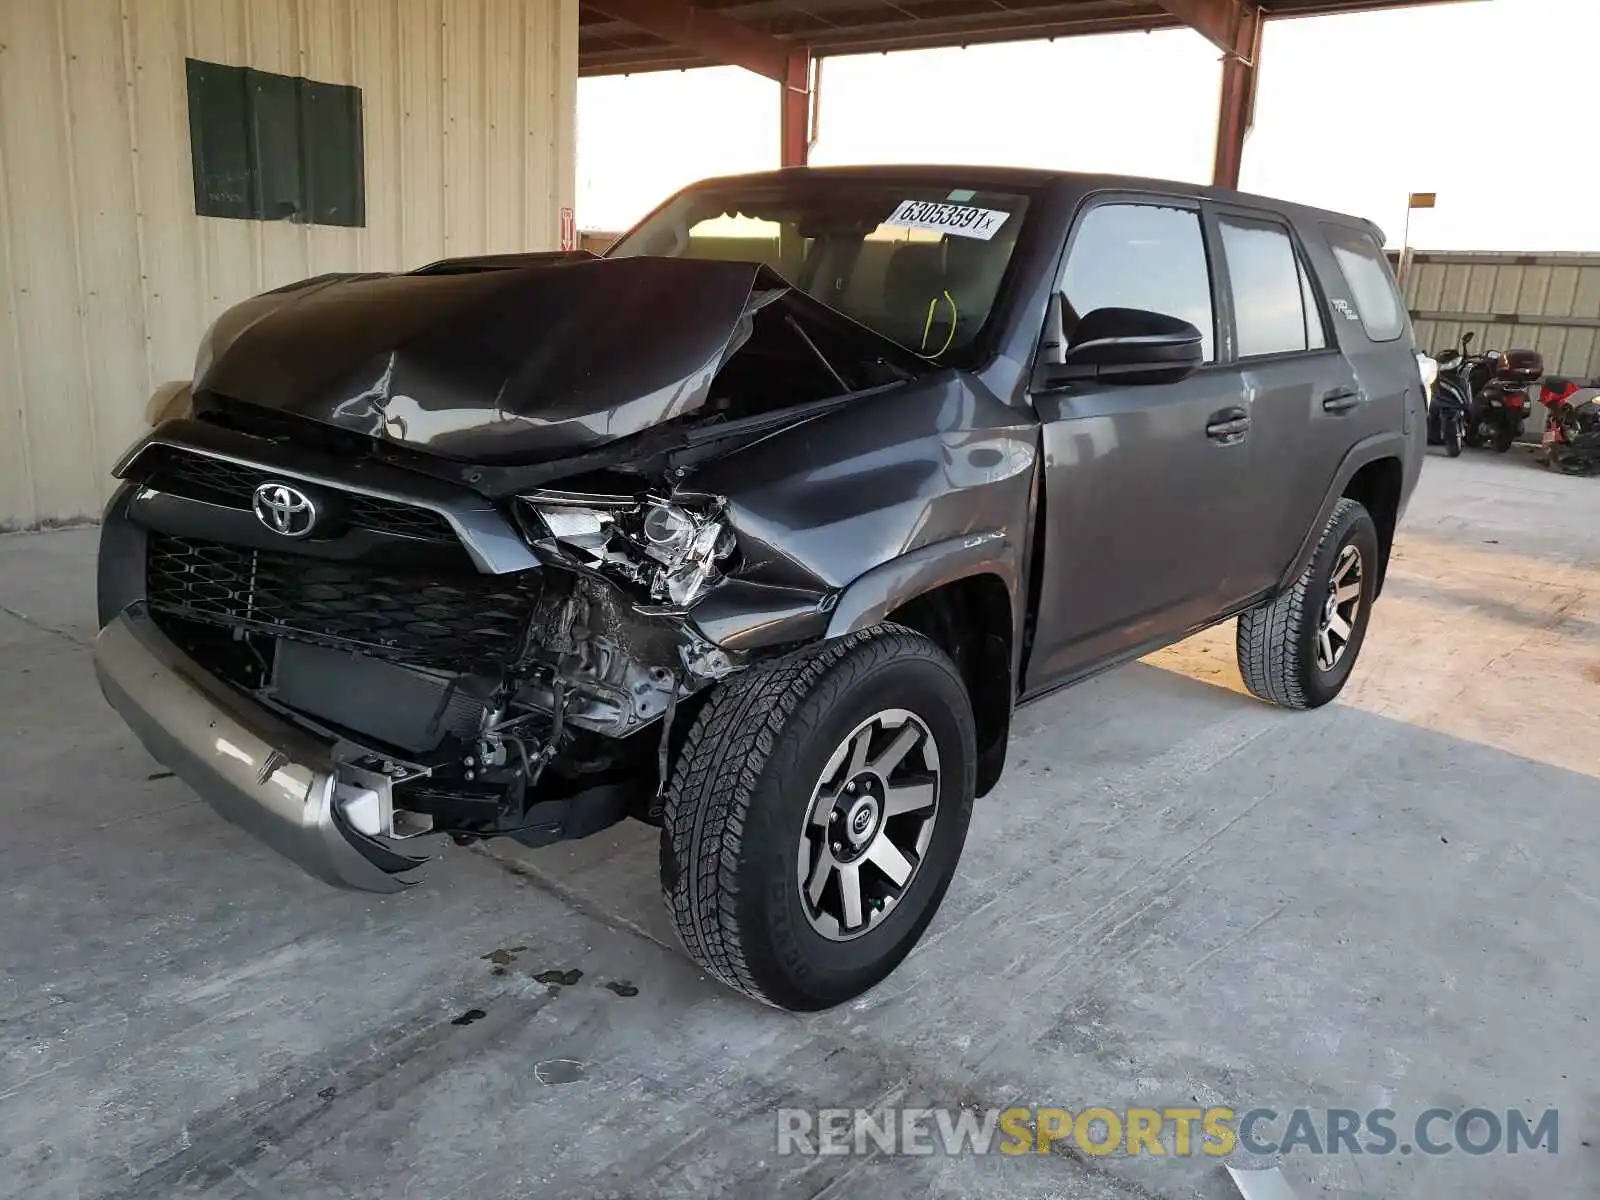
x: 756, y: 529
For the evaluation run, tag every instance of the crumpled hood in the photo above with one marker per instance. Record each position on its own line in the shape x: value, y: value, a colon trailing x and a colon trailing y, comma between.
x: 540, y: 360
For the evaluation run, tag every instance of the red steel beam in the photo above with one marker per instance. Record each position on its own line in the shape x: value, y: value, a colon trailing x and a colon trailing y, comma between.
x: 1237, y: 108
x: 794, y: 121
x: 1226, y: 24
x: 709, y: 33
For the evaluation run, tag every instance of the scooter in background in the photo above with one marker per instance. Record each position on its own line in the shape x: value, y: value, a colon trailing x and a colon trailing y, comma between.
x: 1451, y: 399
x: 1499, y: 404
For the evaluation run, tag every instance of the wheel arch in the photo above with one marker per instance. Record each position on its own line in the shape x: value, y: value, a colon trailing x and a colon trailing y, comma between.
x: 1377, y: 486
x: 970, y: 620
x: 963, y: 595
x: 1372, y: 473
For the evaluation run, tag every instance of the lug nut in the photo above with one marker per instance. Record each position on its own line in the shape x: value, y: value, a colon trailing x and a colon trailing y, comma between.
x: 471, y: 775
x: 850, y: 787
x: 836, y: 847
x: 470, y: 761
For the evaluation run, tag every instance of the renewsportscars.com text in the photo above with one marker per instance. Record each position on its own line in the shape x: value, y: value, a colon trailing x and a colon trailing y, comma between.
x: 1177, y: 1131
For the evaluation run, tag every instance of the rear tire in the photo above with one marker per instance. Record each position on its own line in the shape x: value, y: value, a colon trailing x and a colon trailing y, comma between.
x: 1297, y: 649
x: 758, y: 815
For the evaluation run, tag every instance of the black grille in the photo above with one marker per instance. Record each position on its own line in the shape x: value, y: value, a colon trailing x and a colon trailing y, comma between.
x: 218, y: 481
x: 455, y: 623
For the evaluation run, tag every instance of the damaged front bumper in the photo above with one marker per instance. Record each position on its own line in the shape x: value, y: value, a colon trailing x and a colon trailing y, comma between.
x: 426, y: 666
x: 261, y: 773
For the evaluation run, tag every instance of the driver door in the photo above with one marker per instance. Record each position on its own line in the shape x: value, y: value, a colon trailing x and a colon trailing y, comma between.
x: 1144, y: 484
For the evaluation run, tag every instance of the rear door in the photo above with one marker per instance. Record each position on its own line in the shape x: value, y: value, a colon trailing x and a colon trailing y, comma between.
x: 1301, y: 392
x: 1370, y: 323
x: 1144, y: 485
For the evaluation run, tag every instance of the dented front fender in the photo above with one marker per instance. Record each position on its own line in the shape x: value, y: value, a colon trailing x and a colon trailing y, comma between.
x: 844, y: 518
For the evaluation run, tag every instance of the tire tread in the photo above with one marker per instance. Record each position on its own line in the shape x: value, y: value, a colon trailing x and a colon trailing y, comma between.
x: 751, y: 719
x: 1269, y: 635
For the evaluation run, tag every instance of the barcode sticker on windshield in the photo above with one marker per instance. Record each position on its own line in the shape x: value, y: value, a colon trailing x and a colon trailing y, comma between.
x: 962, y: 220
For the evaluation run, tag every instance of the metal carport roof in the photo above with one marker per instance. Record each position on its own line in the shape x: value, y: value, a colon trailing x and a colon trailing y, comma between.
x: 609, y: 46
x: 781, y: 39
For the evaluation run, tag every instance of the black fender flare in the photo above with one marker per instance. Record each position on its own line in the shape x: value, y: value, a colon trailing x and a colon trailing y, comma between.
x: 875, y: 593
x: 1369, y: 449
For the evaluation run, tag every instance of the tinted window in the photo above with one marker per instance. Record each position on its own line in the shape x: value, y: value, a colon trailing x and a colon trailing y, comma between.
x: 1268, y: 299
x: 1140, y: 256
x: 1372, y: 289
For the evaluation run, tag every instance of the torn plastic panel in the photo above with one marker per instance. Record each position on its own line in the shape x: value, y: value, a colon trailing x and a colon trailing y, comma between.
x: 566, y: 721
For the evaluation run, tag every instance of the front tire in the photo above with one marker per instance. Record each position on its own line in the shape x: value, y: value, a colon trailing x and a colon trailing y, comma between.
x: 1297, y: 649
x: 1452, y: 439
x: 816, y: 815
x: 1505, y: 437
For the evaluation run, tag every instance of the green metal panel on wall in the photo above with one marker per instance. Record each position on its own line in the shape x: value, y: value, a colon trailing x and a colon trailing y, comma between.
x: 331, y: 154
x: 275, y: 147
x: 274, y: 134
x: 218, y: 114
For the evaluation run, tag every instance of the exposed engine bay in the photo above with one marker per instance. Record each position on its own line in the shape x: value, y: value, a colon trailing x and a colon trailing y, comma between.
x: 567, y: 669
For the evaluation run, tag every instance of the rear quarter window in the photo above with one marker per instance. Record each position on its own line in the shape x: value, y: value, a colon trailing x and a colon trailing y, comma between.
x: 1366, y: 274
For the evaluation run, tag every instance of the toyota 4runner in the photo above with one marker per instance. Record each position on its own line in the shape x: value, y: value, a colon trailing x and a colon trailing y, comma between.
x: 756, y: 529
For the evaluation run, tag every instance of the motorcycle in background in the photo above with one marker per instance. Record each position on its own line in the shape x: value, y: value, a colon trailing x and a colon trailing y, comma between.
x: 1490, y: 388
x: 1499, y: 405
x: 1571, y: 441
x: 1451, y: 398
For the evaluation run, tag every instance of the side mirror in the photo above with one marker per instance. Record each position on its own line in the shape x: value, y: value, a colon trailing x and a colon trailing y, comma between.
x: 1123, y: 345
x: 1466, y: 340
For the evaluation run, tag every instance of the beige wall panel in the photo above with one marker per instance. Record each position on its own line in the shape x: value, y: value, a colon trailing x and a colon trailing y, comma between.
x: 109, y: 264
x: 505, y: 155
x: 173, y: 274
x: 421, y: 131
x: 465, y: 193
x: 107, y: 276
x: 375, y: 67
x: 43, y: 260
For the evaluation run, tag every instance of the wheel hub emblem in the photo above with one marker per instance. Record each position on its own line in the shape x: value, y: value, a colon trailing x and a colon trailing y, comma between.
x: 285, y: 510
x: 861, y: 820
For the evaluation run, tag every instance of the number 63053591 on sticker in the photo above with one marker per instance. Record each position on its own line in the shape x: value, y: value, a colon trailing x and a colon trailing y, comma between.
x: 962, y: 220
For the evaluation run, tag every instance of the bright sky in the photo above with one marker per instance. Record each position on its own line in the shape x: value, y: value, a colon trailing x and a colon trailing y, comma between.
x: 1493, y: 104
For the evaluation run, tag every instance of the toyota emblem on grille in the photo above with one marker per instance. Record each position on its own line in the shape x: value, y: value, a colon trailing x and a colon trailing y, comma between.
x: 284, y: 509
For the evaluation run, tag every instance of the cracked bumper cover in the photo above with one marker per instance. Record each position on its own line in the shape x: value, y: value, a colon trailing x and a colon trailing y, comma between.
x: 260, y: 773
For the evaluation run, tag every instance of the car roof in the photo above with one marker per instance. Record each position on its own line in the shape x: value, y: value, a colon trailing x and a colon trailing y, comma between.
x: 1036, y: 178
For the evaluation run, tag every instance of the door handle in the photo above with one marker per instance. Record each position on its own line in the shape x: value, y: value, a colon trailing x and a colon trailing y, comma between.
x: 1342, y: 400
x: 1228, y: 425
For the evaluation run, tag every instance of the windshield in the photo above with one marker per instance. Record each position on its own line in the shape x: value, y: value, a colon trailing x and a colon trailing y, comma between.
x: 920, y: 262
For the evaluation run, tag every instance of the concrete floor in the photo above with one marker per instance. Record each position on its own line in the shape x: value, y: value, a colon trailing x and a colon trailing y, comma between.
x: 1177, y: 895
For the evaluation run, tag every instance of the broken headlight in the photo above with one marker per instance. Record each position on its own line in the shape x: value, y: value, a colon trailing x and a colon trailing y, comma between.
x: 671, y: 548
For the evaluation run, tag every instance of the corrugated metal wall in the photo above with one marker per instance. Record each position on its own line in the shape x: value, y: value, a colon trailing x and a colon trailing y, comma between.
x: 1544, y: 302
x: 107, y: 277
